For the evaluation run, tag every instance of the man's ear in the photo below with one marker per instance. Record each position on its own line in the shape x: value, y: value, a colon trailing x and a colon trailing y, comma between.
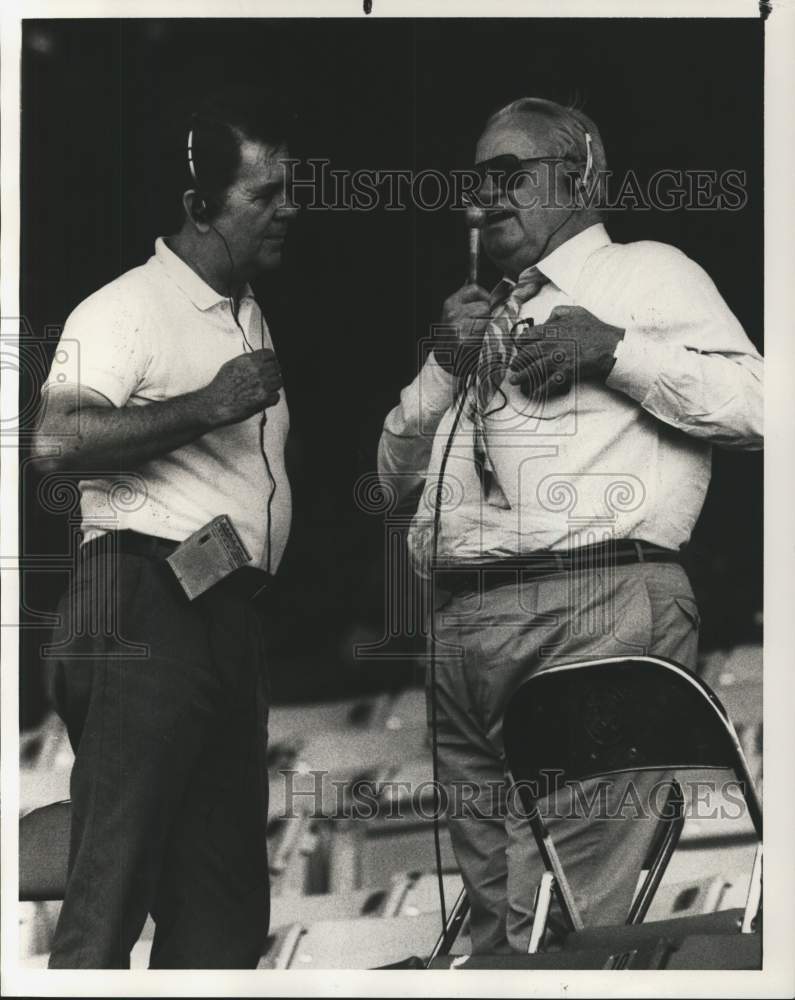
x: 196, y: 210
x: 575, y: 187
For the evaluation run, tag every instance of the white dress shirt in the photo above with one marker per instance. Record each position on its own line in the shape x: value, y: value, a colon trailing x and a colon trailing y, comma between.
x: 626, y: 458
x: 156, y: 332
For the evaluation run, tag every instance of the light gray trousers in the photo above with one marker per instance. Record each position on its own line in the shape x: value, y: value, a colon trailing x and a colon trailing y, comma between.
x: 487, y: 645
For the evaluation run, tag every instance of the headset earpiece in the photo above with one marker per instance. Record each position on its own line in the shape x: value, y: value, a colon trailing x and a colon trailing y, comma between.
x: 200, y: 206
x: 580, y: 181
x: 586, y: 177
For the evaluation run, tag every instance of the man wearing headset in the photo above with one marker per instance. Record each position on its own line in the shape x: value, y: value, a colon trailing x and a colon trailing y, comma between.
x: 164, y: 401
x: 575, y: 455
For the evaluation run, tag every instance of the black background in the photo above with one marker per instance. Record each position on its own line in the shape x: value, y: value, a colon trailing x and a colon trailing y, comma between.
x: 103, y: 110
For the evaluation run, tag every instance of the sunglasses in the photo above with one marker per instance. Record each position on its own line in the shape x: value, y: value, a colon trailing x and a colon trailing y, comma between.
x: 507, y: 172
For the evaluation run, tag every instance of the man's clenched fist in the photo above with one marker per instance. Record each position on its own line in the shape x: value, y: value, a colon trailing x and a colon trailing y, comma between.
x: 243, y: 386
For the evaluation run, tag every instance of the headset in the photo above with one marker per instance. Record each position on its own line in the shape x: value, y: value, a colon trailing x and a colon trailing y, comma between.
x: 585, y: 179
x: 200, y: 211
x: 437, y: 514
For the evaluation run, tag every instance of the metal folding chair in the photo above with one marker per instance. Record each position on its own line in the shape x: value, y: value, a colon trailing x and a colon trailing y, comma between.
x: 602, y: 717
x: 659, y: 854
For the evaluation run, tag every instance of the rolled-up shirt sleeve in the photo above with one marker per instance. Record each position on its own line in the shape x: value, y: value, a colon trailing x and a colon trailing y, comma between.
x: 409, y: 429
x: 688, y: 361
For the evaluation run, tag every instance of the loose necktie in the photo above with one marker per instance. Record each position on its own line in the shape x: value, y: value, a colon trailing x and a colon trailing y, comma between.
x: 496, y: 354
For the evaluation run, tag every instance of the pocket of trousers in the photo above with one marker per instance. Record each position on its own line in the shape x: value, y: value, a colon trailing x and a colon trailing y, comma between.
x: 675, y: 617
x: 689, y: 608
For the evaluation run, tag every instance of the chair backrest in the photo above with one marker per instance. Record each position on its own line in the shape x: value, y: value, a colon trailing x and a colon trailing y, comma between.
x: 597, y: 717
x: 44, y: 851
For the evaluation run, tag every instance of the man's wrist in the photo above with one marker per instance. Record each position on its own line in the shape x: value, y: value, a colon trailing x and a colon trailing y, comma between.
x: 200, y: 411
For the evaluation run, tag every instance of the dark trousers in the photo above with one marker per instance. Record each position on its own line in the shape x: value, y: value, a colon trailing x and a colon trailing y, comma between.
x: 165, y: 702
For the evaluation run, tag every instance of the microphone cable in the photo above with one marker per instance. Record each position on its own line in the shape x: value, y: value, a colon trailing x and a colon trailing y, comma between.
x: 554, y: 232
x: 437, y: 515
x: 263, y: 417
x: 263, y: 420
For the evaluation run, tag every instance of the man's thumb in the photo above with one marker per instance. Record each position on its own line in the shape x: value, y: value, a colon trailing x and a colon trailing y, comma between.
x: 561, y: 312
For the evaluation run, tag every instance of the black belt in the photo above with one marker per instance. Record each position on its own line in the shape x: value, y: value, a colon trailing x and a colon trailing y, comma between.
x: 246, y: 582
x: 477, y: 577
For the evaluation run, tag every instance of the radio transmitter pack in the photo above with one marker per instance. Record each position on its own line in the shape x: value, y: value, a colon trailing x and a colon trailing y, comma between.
x: 208, y: 555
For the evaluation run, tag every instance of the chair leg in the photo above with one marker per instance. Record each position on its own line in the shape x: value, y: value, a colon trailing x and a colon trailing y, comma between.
x: 549, y: 855
x: 452, y: 928
x: 541, y: 906
x: 754, y: 899
x: 662, y: 855
x: 550, y: 858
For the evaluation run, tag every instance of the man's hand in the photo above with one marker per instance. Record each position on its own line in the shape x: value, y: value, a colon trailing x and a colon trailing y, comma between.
x: 243, y: 386
x: 465, y: 316
x: 572, y: 345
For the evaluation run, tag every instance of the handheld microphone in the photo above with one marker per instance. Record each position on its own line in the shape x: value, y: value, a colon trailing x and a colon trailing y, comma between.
x: 475, y: 219
x: 474, y: 254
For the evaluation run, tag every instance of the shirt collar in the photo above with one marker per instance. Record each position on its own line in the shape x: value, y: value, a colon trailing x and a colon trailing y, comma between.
x: 202, y: 295
x: 564, y: 265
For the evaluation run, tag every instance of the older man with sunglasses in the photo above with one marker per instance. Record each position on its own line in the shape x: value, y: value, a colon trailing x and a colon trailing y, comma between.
x: 572, y: 411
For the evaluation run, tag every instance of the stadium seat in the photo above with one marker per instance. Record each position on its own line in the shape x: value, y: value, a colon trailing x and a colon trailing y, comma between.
x: 44, y: 851
x: 359, y: 943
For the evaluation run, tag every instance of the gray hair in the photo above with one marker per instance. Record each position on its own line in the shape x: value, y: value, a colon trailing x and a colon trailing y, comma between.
x: 570, y: 126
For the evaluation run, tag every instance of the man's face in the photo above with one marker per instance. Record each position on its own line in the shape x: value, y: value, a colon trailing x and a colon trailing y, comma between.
x: 257, y: 209
x: 518, y: 225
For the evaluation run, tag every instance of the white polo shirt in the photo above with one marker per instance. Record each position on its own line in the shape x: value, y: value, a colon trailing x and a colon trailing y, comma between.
x: 156, y: 332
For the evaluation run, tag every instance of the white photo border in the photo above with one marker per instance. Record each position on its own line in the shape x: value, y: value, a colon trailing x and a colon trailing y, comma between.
x: 778, y: 975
